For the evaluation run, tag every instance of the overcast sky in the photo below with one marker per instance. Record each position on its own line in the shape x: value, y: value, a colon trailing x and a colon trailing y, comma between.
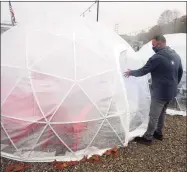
x: 131, y: 16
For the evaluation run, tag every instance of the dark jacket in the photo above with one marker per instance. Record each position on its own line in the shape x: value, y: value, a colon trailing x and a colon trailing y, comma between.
x: 166, y: 72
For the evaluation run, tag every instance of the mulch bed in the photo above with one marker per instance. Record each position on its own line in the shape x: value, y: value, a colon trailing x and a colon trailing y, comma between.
x: 169, y: 155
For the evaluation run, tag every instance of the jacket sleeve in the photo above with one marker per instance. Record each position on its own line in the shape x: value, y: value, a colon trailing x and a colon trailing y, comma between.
x: 151, y: 64
x: 180, y: 72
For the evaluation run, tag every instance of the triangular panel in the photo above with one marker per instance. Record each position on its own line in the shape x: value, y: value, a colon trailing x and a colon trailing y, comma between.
x: 40, y: 49
x: 22, y: 133
x: 95, y: 45
x: 77, y: 135
x: 50, y: 91
x: 138, y: 118
x: 49, y: 145
x: 106, y: 138
x: 59, y: 59
x: 13, y: 48
x: 21, y: 103
x: 119, y: 103
x: 76, y: 107
x: 6, y: 144
x: 118, y: 125
x: 90, y: 63
x: 112, y: 111
x: 100, y: 90
x: 9, y: 78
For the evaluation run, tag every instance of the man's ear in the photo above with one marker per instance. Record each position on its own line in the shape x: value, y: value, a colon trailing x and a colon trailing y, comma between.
x: 162, y: 44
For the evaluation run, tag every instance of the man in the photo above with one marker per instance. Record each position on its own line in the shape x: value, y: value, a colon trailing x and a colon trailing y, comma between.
x: 166, y: 72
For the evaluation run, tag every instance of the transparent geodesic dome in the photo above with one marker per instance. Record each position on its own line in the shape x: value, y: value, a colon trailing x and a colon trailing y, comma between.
x: 178, y: 43
x: 63, y: 94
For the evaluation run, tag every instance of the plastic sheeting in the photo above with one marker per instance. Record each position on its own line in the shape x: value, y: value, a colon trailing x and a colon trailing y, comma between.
x: 178, y: 43
x: 63, y: 92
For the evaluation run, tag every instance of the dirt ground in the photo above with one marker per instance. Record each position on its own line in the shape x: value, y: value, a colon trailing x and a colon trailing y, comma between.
x: 169, y: 155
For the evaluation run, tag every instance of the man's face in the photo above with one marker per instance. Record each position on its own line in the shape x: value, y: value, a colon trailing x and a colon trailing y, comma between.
x: 154, y: 43
x: 157, y: 44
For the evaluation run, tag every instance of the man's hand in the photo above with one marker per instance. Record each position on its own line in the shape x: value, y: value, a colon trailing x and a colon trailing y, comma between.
x: 127, y: 73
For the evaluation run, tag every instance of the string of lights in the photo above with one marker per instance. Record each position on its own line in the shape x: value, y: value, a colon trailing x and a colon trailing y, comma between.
x: 88, y: 9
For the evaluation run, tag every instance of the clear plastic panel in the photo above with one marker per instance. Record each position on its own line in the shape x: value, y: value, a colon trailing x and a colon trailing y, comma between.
x: 9, y: 78
x: 52, y: 55
x: 49, y: 145
x: 21, y: 103
x: 6, y: 144
x: 100, y: 89
x: 113, y: 108
x: 138, y: 123
x: 137, y: 119
x: 89, y: 62
x: 22, y: 133
x: 77, y: 136
x: 13, y: 48
x: 138, y: 94
x: 76, y: 107
x: 98, y: 47
x: 50, y: 88
x: 106, y: 138
x: 118, y: 126
x: 119, y: 101
x: 46, y: 44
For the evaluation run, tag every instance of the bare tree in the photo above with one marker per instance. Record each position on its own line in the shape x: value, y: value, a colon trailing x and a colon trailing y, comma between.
x: 168, y: 16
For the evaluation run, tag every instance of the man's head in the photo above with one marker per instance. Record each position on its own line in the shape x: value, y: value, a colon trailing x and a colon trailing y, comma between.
x: 158, y: 42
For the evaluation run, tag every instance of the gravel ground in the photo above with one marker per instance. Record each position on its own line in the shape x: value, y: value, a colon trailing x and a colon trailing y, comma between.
x: 169, y: 155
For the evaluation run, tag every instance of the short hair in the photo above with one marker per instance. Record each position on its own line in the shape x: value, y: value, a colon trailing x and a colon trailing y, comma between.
x: 160, y: 38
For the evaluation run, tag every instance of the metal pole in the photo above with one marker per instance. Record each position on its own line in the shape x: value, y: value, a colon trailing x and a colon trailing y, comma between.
x: 97, y: 10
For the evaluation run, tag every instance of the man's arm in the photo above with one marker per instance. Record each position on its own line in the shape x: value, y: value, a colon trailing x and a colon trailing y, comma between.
x: 180, y: 72
x: 149, y: 67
